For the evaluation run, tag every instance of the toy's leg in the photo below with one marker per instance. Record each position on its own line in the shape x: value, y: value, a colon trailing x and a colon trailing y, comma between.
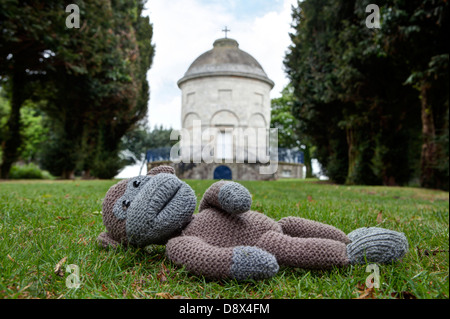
x: 310, y: 253
x: 375, y: 244
x: 201, y: 258
x: 305, y: 228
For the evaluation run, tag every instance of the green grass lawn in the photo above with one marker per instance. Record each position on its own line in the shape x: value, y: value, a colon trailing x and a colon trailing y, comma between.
x: 41, y: 222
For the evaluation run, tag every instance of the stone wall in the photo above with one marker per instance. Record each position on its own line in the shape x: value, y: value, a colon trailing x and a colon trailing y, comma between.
x: 239, y: 171
x: 220, y: 100
x: 290, y: 170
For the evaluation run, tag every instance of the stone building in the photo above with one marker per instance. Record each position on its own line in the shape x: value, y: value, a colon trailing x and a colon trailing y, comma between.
x: 226, y: 107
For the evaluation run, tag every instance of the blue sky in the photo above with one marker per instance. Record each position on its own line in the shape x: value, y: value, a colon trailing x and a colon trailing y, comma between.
x: 246, y: 9
x: 184, y: 29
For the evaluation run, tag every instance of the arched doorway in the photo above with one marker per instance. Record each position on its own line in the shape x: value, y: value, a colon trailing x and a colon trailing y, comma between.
x: 222, y: 172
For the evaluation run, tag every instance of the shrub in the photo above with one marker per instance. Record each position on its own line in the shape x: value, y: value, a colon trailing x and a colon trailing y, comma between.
x: 29, y: 171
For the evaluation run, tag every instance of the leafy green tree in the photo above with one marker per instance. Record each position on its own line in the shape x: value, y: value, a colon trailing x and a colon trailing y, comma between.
x: 288, y: 126
x: 309, y: 66
x: 365, y: 124
x: 282, y: 119
x: 381, y: 116
x: 137, y: 142
x: 134, y: 34
x: 22, y: 61
x: 93, y: 78
x: 4, y: 112
x: 416, y: 33
x: 34, y: 132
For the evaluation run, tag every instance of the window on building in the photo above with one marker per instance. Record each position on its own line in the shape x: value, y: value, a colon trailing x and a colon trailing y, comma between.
x: 224, y: 145
x: 259, y: 100
x: 286, y: 173
x: 190, y: 99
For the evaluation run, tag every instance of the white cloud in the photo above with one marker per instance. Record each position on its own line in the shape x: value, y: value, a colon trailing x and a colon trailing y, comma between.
x: 184, y: 29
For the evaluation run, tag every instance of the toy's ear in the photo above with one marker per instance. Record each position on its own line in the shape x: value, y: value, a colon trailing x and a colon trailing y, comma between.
x: 161, y: 169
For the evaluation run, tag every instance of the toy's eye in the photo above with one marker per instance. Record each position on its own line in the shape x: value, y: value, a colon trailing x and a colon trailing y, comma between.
x: 136, y: 183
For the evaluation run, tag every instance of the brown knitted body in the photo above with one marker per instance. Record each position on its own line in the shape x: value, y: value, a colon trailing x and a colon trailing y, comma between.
x: 226, y: 230
x: 207, y: 243
x: 227, y: 240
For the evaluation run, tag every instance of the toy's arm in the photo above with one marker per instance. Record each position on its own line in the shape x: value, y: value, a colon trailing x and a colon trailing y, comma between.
x: 305, y: 228
x: 201, y: 258
x: 228, y: 196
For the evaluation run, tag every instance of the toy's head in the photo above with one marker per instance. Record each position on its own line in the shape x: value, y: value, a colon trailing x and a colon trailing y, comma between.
x: 149, y: 209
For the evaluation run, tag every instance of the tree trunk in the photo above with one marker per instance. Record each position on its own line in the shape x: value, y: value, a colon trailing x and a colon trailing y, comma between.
x: 13, y: 139
x: 427, y: 160
x: 307, y: 160
x: 68, y: 174
x: 86, y: 174
x: 352, y: 154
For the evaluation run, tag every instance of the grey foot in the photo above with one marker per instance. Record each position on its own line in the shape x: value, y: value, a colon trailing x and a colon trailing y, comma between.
x: 252, y: 263
x: 377, y: 245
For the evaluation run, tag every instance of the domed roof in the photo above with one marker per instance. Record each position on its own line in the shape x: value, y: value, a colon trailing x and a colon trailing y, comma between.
x: 226, y: 59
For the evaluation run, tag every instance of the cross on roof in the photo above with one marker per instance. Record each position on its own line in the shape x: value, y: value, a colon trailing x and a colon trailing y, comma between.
x: 226, y: 30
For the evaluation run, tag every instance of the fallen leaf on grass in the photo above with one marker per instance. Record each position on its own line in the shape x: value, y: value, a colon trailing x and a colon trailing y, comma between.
x: 162, y: 275
x: 10, y: 258
x: 166, y: 295
x: 310, y: 199
x: 403, y: 295
x: 427, y: 252
x: 365, y: 293
x: 83, y: 241
x: 434, y: 252
x: 58, y: 270
x: 380, y: 217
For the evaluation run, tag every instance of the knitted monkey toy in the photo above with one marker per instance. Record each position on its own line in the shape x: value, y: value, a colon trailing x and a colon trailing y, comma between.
x: 225, y: 239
